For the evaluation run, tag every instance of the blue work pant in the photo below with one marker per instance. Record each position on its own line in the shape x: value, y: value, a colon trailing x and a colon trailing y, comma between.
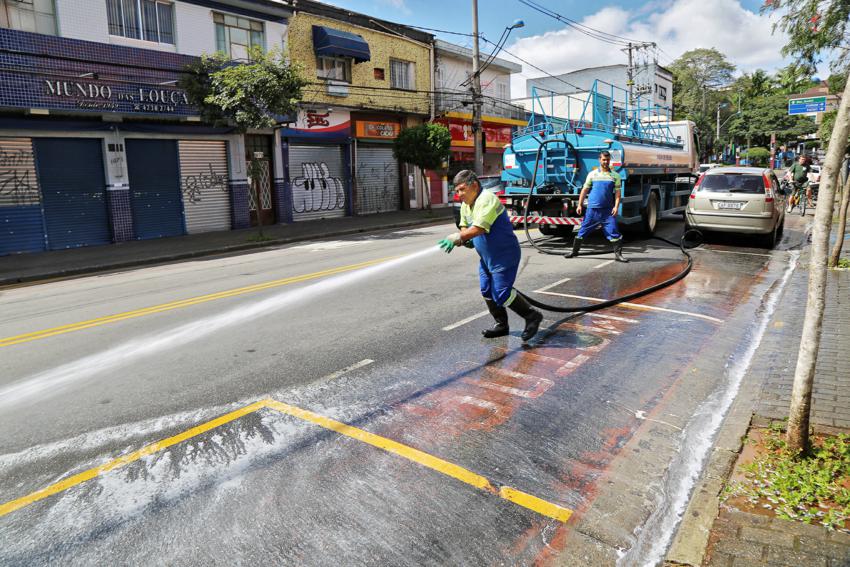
x: 600, y: 217
x: 497, y: 284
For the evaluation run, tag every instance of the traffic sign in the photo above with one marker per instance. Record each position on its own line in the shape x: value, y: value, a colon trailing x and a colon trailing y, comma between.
x: 809, y: 105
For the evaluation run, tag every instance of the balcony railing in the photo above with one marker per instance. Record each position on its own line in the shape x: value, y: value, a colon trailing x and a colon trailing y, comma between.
x: 462, y: 102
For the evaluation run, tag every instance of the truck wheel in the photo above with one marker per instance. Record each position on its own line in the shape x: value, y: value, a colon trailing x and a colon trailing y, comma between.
x: 547, y: 229
x: 650, y: 215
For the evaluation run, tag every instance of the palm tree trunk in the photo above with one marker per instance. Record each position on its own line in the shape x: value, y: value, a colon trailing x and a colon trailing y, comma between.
x: 797, y: 436
x: 842, y: 223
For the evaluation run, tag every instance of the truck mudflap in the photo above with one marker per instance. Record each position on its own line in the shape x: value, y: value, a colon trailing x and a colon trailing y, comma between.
x: 547, y: 220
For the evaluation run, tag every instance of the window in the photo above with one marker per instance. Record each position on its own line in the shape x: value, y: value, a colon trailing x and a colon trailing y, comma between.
x: 662, y: 92
x: 37, y: 16
x: 401, y: 75
x: 149, y: 20
x: 235, y: 36
x: 334, y: 68
x: 503, y: 91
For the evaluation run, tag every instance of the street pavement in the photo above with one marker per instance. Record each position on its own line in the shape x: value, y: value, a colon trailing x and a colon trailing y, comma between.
x: 332, y: 401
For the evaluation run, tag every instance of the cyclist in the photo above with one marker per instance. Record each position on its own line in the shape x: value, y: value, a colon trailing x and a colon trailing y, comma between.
x: 798, y: 174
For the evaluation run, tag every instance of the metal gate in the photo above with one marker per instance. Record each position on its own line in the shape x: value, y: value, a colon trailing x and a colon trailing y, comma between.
x: 317, y: 175
x: 377, y: 180
x: 154, y: 175
x: 73, y: 190
x: 21, y: 223
x: 258, y: 156
x: 203, y: 179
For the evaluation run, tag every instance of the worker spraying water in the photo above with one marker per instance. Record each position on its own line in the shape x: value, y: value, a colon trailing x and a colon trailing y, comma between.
x: 484, y: 225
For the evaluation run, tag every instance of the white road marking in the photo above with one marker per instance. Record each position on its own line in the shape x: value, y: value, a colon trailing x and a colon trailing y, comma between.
x: 736, y: 252
x: 602, y: 265
x: 465, y: 321
x: 612, y: 317
x: 341, y: 371
x: 550, y: 286
x: 639, y: 306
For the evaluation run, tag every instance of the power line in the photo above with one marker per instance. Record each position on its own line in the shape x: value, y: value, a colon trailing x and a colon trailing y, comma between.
x: 586, y: 30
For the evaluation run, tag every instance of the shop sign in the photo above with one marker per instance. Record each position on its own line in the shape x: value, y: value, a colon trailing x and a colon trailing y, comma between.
x: 98, y: 96
x: 378, y: 130
x: 329, y: 120
x: 461, y: 131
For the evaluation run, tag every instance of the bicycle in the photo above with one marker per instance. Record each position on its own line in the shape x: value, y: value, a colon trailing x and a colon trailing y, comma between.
x: 796, y: 198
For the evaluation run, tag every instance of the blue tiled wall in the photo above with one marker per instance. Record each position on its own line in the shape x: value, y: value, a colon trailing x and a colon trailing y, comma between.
x: 240, y: 215
x: 120, y: 214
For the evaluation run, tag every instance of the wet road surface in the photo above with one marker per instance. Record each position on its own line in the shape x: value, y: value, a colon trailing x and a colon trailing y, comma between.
x: 405, y: 438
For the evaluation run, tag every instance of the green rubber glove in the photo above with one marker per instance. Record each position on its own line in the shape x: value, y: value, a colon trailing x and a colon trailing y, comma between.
x: 446, y: 245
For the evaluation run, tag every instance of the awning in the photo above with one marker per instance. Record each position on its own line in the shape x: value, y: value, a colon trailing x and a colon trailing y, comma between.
x: 337, y: 43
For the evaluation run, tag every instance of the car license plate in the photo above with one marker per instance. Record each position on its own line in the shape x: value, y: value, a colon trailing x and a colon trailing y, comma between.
x: 730, y: 205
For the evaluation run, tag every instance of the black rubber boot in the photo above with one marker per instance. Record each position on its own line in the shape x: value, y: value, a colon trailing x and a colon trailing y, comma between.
x: 532, y: 316
x: 500, y: 314
x: 618, y: 251
x: 576, y: 247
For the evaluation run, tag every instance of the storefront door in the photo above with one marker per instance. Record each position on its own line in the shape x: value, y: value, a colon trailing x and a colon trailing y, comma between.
x: 154, y: 175
x: 73, y: 187
x: 378, y: 188
x: 258, y: 155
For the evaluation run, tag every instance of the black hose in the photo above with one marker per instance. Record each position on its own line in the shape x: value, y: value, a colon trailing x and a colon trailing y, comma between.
x: 610, y: 302
x: 630, y: 296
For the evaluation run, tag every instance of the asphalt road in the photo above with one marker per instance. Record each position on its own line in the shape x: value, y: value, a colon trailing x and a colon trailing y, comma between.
x: 385, y: 430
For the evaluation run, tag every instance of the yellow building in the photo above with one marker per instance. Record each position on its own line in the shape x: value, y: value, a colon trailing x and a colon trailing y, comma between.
x: 367, y: 79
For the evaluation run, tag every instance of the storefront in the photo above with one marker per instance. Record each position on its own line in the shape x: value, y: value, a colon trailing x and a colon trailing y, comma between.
x: 317, y: 156
x: 497, y: 132
x: 376, y: 171
x: 95, y: 148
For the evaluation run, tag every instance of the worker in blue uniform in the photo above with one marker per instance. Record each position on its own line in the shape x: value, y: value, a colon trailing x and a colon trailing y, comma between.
x: 602, y: 189
x: 484, y: 223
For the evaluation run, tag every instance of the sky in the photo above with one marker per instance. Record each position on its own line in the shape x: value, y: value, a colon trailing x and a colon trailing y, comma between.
x: 733, y: 27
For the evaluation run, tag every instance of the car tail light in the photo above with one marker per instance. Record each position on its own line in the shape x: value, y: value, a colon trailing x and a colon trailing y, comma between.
x: 696, y: 186
x: 456, y: 198
x: 578, y: 131
x: 768, y: 191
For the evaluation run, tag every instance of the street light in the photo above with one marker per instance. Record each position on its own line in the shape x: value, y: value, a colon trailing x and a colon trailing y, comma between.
x: 719, y: 106
x: 477, y: 130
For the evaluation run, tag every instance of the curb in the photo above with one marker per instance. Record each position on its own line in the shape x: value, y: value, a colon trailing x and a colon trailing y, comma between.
x: 211, y: 252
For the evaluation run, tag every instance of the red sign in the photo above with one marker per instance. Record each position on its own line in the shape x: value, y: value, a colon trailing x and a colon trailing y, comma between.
x: 497, y: 135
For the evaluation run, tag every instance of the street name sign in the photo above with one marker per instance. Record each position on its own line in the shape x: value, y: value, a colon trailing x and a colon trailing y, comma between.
x: 809, y: 105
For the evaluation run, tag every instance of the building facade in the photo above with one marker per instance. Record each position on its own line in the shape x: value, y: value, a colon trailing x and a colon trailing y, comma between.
x: 97, y: 142
x: 368, y: 79
x: 452, y: 106
x: 650, y: 81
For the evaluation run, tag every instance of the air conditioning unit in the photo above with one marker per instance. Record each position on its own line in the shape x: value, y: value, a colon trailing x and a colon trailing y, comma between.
x: 337, y: 88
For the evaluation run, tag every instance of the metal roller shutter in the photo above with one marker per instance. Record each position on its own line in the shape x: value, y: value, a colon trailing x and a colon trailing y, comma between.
x: 73, y: 190
x: 203, y: 179
x: 318, y: 182
x: 377, y: 180
x: 153, y: 169
x: 21, y: 222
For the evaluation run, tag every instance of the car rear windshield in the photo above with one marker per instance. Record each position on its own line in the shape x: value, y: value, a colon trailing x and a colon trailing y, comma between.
x: 733, y: 183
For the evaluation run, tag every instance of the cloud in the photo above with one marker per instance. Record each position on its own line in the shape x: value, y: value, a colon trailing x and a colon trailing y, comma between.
x: 745, y: 37
x: 400, y: 5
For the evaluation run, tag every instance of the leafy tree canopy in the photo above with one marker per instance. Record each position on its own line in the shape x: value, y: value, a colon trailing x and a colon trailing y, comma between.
x: 426, y: 146
x: 814, y: 27
x: 247, y: 94
x: 760, y: 116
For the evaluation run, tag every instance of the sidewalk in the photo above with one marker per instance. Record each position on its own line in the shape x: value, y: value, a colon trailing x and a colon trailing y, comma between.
x: 20, y: 268
x: 713, y: 533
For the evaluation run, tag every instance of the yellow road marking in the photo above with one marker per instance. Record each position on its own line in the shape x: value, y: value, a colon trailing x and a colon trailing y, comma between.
x: 71, y: 327
x: 388, y: 445
x: 518, y: 497
x: 124, y: 460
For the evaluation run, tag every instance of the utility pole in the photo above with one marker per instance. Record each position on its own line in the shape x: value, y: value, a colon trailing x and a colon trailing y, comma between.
x: 717, y: 136
x: 630, y: 75
x: 476, y: 96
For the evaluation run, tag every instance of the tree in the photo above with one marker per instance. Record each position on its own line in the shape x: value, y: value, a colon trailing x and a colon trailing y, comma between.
x: 756, y: 156
x: 814, y: 27
x: 252, y: 94
x: 797, y: 436
x: 426, y: 146
x: 793, y: 79
x: 826, y: 127
x: 248, y: 95
x: 762, y: 115
x: 697, y: 76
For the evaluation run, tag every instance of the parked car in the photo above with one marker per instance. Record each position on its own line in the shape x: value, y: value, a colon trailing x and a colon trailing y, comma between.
x: 814, y: 176
x: 747, y: 200
x: 491, y: 183
x: 703, y: 167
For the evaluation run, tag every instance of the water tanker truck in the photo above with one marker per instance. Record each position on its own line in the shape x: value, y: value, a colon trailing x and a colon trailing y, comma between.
x: 655, y: 157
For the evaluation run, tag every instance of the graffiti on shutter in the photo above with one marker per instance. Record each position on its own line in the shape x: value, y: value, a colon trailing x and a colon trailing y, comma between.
x: 203, y: 182
x: 18, y: 181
